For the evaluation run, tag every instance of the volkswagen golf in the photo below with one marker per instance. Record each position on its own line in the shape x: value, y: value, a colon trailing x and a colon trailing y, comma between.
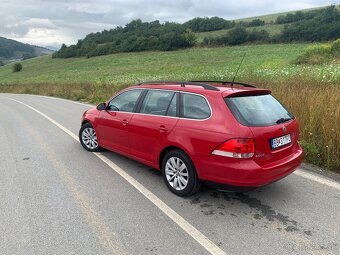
x: 225, y: 134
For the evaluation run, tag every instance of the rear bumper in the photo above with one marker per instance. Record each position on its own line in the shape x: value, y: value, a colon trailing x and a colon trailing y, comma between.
x: 247, y: 173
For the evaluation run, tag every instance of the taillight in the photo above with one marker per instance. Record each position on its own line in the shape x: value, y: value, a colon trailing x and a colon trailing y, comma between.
x: 236, y: 148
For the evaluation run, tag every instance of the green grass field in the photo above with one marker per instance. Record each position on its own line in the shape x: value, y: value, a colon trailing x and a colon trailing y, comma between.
x: 310, y: 92
x: 272, y: 29
x: 262, y: 62
x: 272, y: 17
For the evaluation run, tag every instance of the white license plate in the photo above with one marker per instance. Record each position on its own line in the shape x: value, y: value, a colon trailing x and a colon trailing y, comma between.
x: 280, y: 141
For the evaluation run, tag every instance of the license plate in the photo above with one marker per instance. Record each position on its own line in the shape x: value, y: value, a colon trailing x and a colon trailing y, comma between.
x: 280, y: 141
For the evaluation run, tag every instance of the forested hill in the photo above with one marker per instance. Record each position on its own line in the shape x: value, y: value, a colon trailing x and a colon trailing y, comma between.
x: 14, y: 50
x: 321, y: 24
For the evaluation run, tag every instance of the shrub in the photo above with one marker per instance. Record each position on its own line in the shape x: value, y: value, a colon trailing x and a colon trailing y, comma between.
x: 319, y: 53
x: 207, y: 24
x: 189, y: 37
x: 256, y: 23
x: 237, y: 35
x: 335, y: 48
x: 17, y: 67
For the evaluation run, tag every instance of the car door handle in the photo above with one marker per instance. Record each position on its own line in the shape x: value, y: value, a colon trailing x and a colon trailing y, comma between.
x: 162, y: 129
x: 125, y: 122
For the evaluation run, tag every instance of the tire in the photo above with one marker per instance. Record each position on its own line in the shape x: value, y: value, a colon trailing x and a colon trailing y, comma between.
x: 179, y: 174
x: 88, y: 138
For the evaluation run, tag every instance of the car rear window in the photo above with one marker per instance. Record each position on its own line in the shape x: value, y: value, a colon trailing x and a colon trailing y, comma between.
x: 258, y: 110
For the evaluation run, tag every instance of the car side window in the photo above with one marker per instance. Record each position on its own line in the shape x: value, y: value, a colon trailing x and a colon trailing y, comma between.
x: 156, y: 102
x: 126, y: 101
x: 195, y: 107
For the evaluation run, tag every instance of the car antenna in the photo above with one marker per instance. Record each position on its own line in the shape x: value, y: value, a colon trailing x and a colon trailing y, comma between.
x: 232, y: 83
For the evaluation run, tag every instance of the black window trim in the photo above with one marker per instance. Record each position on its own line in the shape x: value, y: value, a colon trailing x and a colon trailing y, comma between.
x: 167, y: 109
x: 140, y: 101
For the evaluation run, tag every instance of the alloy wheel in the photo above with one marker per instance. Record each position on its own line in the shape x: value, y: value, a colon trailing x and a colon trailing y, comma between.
x: 89, y: 138
x: 176, y: 173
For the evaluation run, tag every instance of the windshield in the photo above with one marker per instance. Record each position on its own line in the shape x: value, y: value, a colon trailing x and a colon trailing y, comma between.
x: 259, y: 110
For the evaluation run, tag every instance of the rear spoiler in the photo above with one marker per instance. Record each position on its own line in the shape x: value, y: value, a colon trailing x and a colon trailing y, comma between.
x: 244, y: 93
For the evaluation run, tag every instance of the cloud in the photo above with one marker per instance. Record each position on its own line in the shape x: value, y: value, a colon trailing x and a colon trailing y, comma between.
x: 55, y: 22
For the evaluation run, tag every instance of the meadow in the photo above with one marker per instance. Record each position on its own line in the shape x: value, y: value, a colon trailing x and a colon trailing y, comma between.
x: 311, y: 92
x: 272, y: 29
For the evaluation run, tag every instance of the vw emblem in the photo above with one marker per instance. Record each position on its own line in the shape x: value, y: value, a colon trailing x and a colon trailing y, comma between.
x: 284, y: 129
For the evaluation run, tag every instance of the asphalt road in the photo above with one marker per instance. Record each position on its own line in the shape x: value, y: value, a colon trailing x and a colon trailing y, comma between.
x: 57, y: 198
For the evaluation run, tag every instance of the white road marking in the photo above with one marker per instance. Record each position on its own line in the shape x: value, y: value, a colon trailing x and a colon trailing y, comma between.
x: 174, y: 216
x: 310, y: 176
x: 317, y: 178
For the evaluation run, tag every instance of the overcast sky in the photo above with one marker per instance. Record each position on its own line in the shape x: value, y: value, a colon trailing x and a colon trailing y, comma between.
x: 52, y: 22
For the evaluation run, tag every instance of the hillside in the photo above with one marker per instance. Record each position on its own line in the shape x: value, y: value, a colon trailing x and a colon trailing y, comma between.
x: 271, y: 18
x: 127, y: 68
x: 11, y: 50
x: 274, y: 25
x: 272, y: 29
x: 317, y: 25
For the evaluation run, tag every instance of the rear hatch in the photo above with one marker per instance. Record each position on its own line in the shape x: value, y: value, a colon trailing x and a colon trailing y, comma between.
x: 275, y: 130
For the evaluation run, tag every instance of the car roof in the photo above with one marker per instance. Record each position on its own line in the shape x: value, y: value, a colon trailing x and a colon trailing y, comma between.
x: 197, y: 87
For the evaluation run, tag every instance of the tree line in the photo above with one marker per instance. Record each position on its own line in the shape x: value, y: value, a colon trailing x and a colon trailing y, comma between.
x: 141, y: 36
x: 316, y: 25
x: 135, y: 36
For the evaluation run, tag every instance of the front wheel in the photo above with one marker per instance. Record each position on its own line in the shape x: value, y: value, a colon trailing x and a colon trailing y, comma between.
x: 88, y: 138
x: 179, y: 174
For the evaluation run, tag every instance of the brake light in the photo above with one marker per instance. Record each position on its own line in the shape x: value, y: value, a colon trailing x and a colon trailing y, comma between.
x: 236, y: 148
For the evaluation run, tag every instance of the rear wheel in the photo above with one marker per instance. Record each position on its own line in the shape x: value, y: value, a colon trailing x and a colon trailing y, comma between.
x: 179, y: 173
x: 88, y: 138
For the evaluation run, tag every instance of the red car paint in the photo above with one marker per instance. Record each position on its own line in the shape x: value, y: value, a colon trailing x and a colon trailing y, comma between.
x: 145, y: 137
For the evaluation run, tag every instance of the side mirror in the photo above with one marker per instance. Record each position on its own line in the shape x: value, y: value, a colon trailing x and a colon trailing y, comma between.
x: 101, y: 107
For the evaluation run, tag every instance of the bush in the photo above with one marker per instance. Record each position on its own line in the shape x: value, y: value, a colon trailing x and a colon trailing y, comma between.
x: 207, y: 24
x: 17, y: 67
x: 335, y: 48
x: 256, y: 23
x: 258, y: 36
x: 320, y: 53
x: 237, y: 35
x: 189, y: 37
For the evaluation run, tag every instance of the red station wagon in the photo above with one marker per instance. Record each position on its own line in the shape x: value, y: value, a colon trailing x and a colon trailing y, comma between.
x: 222, y: 133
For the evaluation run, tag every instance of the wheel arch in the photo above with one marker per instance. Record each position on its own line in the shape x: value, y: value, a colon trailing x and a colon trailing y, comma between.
x: 170, y: 148
x: 86, y: 121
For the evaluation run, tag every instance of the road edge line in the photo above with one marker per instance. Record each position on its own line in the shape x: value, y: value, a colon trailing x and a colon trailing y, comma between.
x: 199, y: 237
x: 316, y: 178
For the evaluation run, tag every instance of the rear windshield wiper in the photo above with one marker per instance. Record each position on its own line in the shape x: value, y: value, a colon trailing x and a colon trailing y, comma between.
x: 282, y: 120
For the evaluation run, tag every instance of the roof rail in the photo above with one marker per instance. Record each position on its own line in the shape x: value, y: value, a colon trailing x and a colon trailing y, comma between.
x: 229, y: 82
x: 182, y: 83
